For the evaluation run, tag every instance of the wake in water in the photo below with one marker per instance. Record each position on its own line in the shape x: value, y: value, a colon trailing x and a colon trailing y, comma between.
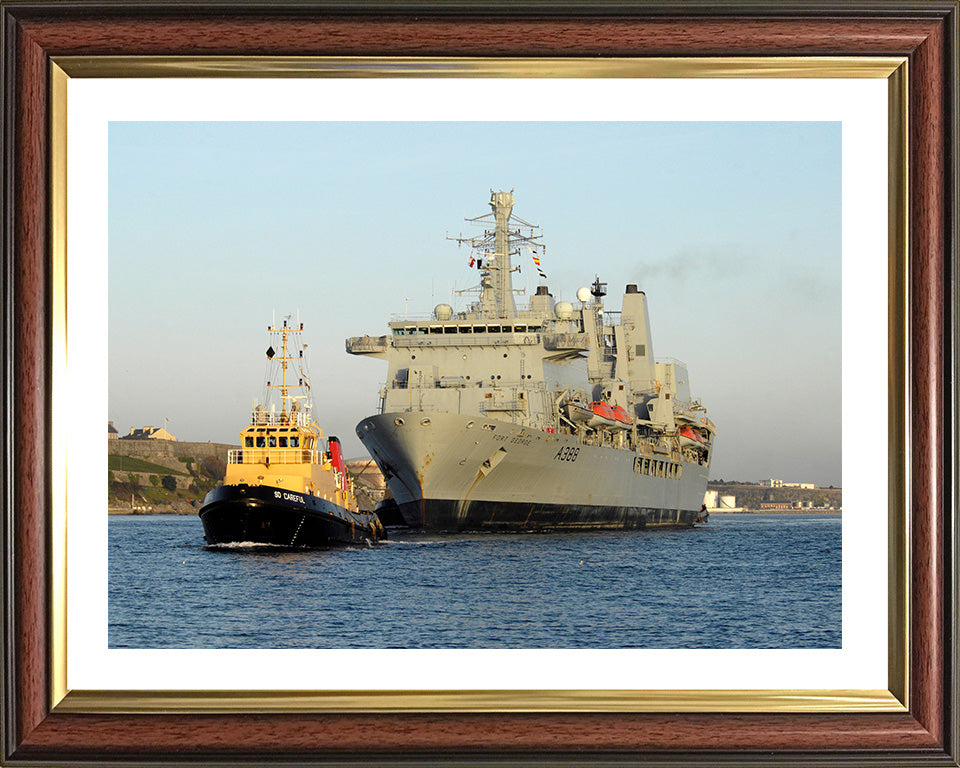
x: 234, y: 545
x: 258, y: 546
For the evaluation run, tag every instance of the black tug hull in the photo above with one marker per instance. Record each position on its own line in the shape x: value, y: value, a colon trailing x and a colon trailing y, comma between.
x: 264, y: 515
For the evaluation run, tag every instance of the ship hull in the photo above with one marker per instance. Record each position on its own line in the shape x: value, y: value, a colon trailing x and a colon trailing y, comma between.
x: 452, y: 472
x: 264, y: 515
x: 449, y: 515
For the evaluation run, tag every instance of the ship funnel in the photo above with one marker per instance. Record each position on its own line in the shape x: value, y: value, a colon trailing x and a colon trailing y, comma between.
x: 635, y: 325
x: 541, y: 303
x: 632, y: 288
x: 336, y: 458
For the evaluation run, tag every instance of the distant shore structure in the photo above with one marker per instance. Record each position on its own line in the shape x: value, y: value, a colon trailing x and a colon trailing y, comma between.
x: 774, y: 483
x: 141, y: 433
x: 717, y: 502
x: 763, y: 497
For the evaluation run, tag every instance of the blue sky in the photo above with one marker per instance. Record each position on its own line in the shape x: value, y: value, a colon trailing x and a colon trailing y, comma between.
x: 732, y: 229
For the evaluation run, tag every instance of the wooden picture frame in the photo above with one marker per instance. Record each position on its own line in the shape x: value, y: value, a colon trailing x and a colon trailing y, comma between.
x: 38, y: 730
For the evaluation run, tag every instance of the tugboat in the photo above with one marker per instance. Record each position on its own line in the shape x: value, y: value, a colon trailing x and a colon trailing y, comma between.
x: 286, y: 486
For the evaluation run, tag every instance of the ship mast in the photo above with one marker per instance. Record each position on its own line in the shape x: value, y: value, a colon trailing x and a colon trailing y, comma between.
x: 493, y: 251
x: 503, y: 304
x: 284, y: 359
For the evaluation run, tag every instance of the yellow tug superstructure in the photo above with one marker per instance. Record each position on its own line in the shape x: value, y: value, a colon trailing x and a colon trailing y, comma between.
x: 286, y: 485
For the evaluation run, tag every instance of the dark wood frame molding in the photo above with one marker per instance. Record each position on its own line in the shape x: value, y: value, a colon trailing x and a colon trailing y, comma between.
x: 925, y: 32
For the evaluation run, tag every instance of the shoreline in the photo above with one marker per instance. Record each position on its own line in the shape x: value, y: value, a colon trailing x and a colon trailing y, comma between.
x: 814, y: 511
x: 126, y: 512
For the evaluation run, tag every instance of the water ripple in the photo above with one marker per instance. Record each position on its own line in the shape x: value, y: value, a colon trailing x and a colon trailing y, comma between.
x: 742, y: 581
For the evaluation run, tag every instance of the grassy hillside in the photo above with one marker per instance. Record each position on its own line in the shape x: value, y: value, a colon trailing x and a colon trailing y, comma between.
x: 137, y: 485
x: 181, y: 483
x: 122, y: 463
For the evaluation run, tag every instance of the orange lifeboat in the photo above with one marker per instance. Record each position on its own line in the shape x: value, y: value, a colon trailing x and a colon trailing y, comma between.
x: 602, y: 415
x: 690, y: 437
x: 607, y: 416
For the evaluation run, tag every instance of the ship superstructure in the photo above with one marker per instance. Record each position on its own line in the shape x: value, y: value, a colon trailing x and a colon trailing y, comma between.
x: 551, y: 416
x: 286, y: 485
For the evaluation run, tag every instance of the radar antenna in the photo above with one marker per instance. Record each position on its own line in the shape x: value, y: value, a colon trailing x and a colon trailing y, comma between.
x: 599, y: 289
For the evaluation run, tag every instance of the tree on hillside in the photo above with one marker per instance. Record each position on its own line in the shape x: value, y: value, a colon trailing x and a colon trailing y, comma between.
x: 169, y: 483
x: 214, y: 467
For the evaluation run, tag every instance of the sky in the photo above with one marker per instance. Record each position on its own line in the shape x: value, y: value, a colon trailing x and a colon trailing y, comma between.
x: 732, y: 229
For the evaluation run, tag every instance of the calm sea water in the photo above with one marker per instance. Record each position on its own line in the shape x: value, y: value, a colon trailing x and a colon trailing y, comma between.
x: 741, y: 581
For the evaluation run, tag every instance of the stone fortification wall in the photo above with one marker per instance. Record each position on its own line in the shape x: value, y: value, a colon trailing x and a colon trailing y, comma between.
x: 153, y: 450
x: 143, y: 478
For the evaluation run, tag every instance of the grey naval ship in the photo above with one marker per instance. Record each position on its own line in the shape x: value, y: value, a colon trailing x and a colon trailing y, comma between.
x: 552, y: 417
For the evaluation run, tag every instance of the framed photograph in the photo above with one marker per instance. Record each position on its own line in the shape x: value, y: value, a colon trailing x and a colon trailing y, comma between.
x: 84, y: 83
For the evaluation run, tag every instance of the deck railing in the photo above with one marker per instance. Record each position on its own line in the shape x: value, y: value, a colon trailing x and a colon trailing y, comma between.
x: 272, y: 456
x: 268, y: 418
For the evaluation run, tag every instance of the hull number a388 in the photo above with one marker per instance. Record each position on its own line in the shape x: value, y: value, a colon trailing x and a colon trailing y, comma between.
x: 568, y: 453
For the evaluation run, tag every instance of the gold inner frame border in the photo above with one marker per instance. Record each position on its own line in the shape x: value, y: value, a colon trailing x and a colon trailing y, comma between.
x: 895, y: 699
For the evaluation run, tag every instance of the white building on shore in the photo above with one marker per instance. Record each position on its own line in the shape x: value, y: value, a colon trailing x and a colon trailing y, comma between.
x: 717, y: 502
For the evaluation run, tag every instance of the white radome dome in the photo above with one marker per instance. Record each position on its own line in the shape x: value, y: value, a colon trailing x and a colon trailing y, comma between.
x: 443, y: 311
x: 564, y: 310
x: 583, y: 294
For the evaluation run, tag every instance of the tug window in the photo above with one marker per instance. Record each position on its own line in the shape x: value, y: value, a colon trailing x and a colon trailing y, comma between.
x: 283, y: 442
x: 261, y: 441
x: 248, y: 442
x: 294, y: 442
x: 273, y: 441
